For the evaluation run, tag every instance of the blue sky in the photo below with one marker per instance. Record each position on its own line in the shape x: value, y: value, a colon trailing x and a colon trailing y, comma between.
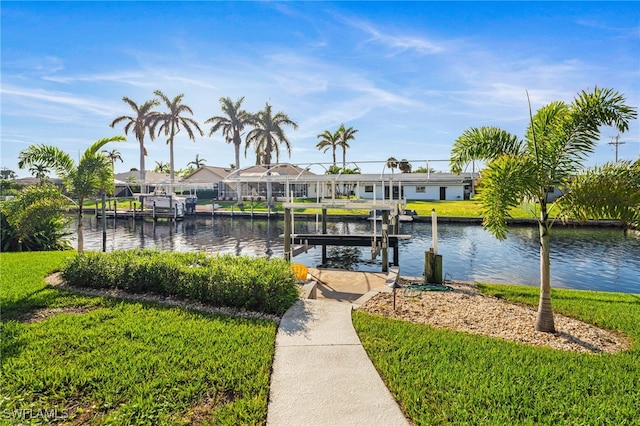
x: 410, y: 76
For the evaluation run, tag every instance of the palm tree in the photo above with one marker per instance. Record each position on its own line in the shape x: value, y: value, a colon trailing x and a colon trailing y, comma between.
x: 267, y: 133
x: 92, y: 173
x: 344, y: 136
x: 138, y: 123
x: 232, y: 126
x: 172, y: 121
x: 40, y: 171
x: 198, y: 162
x: 161, y: 167
x: 328, y: 141
x: 404, y: 166
x: 392, y: 164
x: 113, y: 155
x: 557, y: 141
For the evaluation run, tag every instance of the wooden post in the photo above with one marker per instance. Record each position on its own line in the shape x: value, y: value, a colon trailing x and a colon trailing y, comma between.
x: 154, y: 212
x: 432, y: 267
x: 287, y: 234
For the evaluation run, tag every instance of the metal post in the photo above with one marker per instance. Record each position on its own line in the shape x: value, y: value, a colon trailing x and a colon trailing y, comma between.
x: 434, y: 230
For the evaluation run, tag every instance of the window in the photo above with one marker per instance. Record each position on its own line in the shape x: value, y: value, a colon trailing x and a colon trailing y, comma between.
x: 368, y: 188
x: 421, y: 189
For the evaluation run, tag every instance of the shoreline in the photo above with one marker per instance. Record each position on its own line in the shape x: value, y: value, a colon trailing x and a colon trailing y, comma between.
x: 466, y: 220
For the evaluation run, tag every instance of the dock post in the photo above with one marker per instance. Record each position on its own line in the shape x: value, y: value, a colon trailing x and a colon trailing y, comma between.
x: 287, y: 234
x: 134, y: 212
x: 385, y: 241
x: 324, y: 232
x: 104, y: 222
x: 96, y: 209
x: 154, y: 211
x: 175, y: 212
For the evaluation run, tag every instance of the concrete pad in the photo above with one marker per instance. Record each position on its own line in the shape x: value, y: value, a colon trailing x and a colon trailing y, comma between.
x: 346, y: 286
x: 322, y: 375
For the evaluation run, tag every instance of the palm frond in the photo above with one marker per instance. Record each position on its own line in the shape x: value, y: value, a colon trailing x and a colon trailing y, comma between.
x: 483, y: 144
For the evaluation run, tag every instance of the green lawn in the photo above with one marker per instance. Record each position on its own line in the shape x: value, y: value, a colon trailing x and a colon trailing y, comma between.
x: 448, y: 377
x: 106, y: 361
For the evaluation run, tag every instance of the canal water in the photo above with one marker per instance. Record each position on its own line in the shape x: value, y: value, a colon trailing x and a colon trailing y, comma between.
x: 581, y: 258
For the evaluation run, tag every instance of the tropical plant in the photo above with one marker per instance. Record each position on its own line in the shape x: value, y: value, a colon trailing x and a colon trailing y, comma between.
x: 113, y: 156
x: 40, y: 171
x: 173, y: 121
x: 138, y: 124
x: 266, y: 134
x: 34, y: 220
x: 611, y: 191
x: 328, y: 141
x: 404, y: 166
x: 557, y: 141
x: 344, y: 136
x: 92, y: 173
x: 391, y: 164
x: 198, y: 162
x: 7, y: 173
x: 232, y: 125
x: 423, y: 169
x: 162, y: 167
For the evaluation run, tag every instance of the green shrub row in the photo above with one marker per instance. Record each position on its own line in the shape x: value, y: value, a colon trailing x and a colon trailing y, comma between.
x: 256, y: 284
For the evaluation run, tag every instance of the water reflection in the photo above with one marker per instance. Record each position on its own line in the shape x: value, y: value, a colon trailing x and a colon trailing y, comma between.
x: 584, y: 258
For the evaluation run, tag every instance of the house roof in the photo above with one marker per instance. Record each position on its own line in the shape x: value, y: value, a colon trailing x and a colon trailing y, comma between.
x: 207, y: 174
x: 153, y: 178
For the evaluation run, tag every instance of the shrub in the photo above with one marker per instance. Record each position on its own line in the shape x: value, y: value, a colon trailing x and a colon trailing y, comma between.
x: 257, y: 284
x: 33, y: 221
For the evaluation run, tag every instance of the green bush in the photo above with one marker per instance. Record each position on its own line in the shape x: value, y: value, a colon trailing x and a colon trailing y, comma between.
x: 257, y: 284
x: 33, y: 221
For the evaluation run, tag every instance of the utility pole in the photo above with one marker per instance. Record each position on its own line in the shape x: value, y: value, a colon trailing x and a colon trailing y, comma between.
x: 617, y: 143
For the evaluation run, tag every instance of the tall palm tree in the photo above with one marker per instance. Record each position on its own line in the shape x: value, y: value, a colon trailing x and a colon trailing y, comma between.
x: 344, y: 136
x: 172, y: 121
x: 556, y: 143
x: 405, y: 166
x: 138, y: 123
x: 392, y: 164
x: 40, y: 171
x: 198, y: 162
x: 232, y: 126
x: 328, y: 141
x: 92, y: 173
x: 267, y: 133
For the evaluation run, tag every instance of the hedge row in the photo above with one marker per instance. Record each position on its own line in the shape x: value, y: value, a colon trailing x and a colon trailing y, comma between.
x: 256, y: 284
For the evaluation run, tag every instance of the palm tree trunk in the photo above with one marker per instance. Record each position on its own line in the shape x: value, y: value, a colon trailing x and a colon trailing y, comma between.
x: 143, y: 172
x: 237, y: 142
x: 344, y: 158
x: 80, y: 228
x: 334, y: 155
x: 171, y: 169
x: 544, y: 319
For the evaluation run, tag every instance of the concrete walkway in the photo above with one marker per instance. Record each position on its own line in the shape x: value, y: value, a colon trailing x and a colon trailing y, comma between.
x: 321, y: 373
